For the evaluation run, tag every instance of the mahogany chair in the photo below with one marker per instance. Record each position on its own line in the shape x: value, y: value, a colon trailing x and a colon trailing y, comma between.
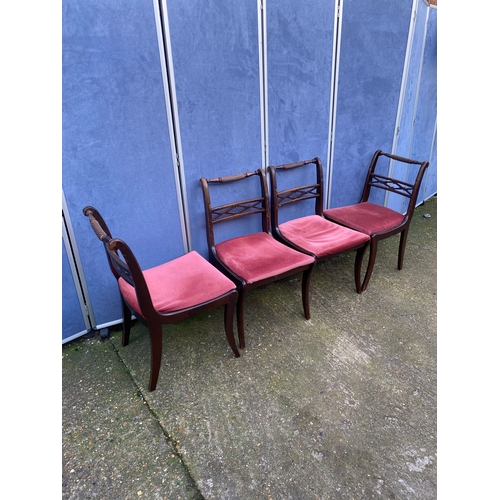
x: 254, y: 258
x: 311, y: 233
x: 376, y: 220
x: 183, y: 287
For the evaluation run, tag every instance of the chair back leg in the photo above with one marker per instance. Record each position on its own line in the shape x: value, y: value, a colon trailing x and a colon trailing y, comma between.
x: 127, y: 323
x: 402, y: 246
x: 240, y: 309
x: 155, y: 340
x: 229, y: 309
x: 306, y: 280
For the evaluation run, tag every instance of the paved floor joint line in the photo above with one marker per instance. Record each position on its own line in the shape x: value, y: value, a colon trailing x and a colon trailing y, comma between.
x: 174, y: 445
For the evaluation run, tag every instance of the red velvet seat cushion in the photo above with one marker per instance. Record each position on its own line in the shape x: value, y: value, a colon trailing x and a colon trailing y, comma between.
x: 258, y: 256
x: 366, y: 217
x: 181, y: 283
x: 320, y: 236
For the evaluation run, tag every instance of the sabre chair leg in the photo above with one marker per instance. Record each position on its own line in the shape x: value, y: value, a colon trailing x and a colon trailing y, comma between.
x: 229, y: 322
x: 402, y: 246
x: 127, y: 322
x: 240, y: 317
x: 357, y: 267
x: 371, y: 264
x: 155, y: 339
x: 306, y: 280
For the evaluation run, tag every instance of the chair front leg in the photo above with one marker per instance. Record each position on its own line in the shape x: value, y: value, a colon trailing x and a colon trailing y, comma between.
x: 127, y: 322
x: 306, y: 280
x: 155, y: 340
x: 240, y: 316
x: 229, y: 322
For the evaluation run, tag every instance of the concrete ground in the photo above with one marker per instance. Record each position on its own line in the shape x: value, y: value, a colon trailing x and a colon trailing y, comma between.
x: 339, y: 407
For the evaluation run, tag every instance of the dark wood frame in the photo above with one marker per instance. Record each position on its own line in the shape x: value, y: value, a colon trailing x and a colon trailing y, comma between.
x: 129, y: 269
x: 392, y: 185
x: 243, y: 208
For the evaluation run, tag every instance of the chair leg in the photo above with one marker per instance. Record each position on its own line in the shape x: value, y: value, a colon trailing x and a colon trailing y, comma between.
x: 229, y: 322
x: 306, y: 279
x: 357, y: 267
x: 371, y: 264
x: 402, y: 246
x: 155, y: 340
x: 127, y: 322
x: 240, y: 317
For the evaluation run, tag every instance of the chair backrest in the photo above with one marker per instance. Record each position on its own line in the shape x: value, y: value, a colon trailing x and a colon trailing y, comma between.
x: 392, y: 184
x: 281, y: 198
x: 121, y: 260
x: 258, y: 205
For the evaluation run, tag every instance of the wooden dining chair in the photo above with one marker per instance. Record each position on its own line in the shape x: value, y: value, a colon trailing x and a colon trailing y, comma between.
x: 375, y: 219
x: 306, y: 231
x: 175, y: 290
x: 253, y: 258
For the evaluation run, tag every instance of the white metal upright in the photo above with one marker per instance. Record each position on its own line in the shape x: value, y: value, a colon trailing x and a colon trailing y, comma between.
x: 167, y: 70
x: 262, y: 30
x: 77, y: 273
x: 337, y: 31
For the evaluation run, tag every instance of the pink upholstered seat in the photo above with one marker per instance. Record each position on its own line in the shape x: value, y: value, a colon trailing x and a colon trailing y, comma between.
x: 256, y: 257
x: 165, y: 294
x: 320, y: 237
x: 366, y: 217
x: 182, y: 283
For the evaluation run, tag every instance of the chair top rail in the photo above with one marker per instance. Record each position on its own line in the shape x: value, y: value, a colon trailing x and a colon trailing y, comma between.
x: 288, y: 166
x: 235, y: 209
x: 400, y: 158
x: 232, y: 178
x: 96, y: 224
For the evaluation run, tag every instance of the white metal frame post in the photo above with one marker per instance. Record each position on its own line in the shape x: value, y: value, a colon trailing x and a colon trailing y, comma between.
x: 262, y: 29
x: 337, y: 32
x: 75, y: 265
x: 167, y: 70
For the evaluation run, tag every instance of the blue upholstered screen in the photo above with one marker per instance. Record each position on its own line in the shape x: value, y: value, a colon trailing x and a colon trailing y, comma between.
x: 117, y: 151
x: 216, y: 68
x: 372, y: 57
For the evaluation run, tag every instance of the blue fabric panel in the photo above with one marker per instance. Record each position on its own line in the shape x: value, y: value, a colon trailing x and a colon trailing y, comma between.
x: 299, y: 62
x: 216, y: 68
x: 72, y: 319
x: 372, y: 54
x: 116, y: 149
x: 425, y: 118
x: 299, y: 58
